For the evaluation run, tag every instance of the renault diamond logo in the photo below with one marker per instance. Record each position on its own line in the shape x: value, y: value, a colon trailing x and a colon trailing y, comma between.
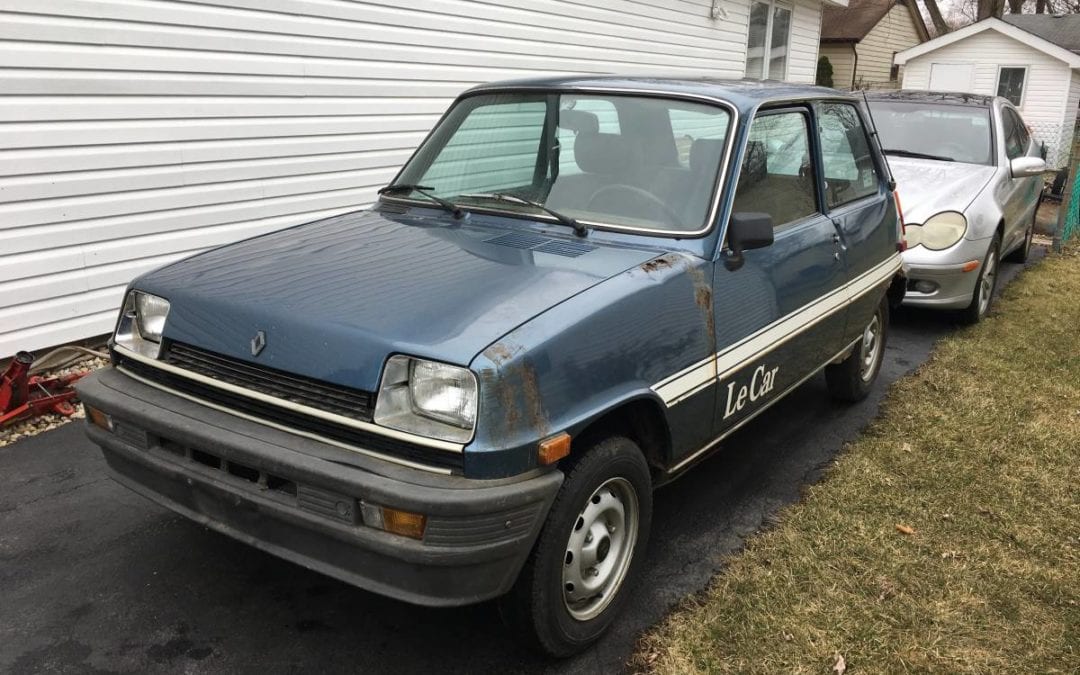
x: 257, y: 343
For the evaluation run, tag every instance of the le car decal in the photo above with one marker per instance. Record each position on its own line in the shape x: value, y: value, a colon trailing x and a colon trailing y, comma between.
x: 761, y: 384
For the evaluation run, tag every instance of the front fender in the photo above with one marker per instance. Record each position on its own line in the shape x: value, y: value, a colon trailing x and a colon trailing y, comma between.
x: 589, y: 355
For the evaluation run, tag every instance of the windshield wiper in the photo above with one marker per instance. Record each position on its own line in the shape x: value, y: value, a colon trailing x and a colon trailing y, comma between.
x: 579, y: 229
x: 425, y: 190
x: 916, y: 155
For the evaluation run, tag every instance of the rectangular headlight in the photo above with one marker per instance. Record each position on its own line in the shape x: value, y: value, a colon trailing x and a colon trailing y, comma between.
x: 141, y: 324
x: 432, y: 399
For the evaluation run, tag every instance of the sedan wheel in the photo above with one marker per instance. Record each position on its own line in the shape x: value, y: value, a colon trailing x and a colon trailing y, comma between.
x: 984, y: 285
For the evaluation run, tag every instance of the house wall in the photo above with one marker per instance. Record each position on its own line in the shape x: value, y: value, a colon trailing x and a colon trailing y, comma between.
x: 894, y: 33
x: 1068, y: 125
x: 136, y: 132
x: 842, y: 58
x: 1044, y: 100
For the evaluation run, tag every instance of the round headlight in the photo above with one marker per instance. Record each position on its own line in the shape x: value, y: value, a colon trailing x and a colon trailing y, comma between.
x: 943, y: 230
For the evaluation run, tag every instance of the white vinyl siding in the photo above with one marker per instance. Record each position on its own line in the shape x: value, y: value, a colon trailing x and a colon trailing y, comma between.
x: 136, y: 132
x: 1045, y: 87
x: 894, y: 33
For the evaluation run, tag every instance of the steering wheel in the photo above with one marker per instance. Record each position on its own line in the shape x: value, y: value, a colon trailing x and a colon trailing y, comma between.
x: 614, y: 188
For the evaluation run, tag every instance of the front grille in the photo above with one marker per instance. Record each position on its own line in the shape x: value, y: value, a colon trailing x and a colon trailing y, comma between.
x: 297, y: 420
x: 332, y: 398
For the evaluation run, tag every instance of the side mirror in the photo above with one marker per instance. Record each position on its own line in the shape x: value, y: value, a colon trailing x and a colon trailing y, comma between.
x: 1022, y: 167
x: 747, y: 230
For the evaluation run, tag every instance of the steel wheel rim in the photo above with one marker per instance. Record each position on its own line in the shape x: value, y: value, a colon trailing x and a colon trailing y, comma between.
x: 870, y: 348
x: 986, y: 284
x: 599, y: 549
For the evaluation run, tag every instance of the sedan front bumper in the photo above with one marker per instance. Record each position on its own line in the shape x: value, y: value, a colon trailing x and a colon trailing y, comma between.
x: 953, y: 287
x: 303, y: 500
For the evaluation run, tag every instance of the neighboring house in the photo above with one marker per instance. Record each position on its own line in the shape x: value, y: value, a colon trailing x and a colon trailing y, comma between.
x: 1031, y: 59
x: 135, y: 132
x: 861, y: 39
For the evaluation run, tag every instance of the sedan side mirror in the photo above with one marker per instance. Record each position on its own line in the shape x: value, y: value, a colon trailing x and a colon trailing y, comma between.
x: 1022, y: 167
x: 747, y: 230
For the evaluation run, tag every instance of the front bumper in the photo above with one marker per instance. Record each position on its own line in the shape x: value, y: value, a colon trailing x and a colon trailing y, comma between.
x: 300, y: 499
x: 954, y: 287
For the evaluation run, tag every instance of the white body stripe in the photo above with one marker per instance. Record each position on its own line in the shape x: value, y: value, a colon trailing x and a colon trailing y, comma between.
x: 698, y: 376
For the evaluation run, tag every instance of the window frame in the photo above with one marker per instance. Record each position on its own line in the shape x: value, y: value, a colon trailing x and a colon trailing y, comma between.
x: 1023, y: 83
x: 819, y: 113
x: 812, y: 147
x: 766, y: 47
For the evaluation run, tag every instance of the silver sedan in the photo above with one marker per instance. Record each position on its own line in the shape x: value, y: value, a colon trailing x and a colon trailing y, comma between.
x: 968, y: 178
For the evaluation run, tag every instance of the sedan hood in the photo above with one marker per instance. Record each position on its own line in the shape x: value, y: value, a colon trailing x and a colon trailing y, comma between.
x: 335, y: 297
x: 928, y: 187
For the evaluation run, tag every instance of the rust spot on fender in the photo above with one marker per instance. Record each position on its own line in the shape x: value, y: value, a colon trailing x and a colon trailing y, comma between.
x: 501, y: 352
x: 656, y: 264
x: 534, y: 407
x: 704, y: 300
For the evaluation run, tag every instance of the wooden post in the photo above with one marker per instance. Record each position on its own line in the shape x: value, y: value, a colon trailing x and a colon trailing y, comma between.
x: 1067, y: 190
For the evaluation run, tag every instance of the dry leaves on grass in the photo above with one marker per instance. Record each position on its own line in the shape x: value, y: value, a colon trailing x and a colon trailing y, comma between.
x: 905, y: 529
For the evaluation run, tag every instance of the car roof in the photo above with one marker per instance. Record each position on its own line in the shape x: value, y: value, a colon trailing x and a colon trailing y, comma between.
x: 745, y: 94
x: 946, y: 97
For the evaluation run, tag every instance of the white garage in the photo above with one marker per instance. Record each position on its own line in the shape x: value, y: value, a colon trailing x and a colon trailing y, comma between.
x: 135, y: 132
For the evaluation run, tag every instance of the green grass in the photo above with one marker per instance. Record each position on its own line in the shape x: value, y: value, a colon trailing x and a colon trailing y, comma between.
x: 979, y: 453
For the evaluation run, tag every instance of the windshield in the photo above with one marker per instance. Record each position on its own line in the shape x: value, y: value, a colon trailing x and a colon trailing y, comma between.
x: 950, y: 132
x: 605, y: 160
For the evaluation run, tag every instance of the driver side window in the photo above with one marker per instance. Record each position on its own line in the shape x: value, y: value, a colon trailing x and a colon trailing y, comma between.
x: 777, y: 176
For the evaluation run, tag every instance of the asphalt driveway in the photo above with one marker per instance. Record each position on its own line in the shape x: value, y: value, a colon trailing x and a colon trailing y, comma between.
x: 94, y: 578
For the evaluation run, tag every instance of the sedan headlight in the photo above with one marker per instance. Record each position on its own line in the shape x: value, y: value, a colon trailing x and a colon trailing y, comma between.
x: 938, y: 232
x: 142, y: 321
x: 428, y: 398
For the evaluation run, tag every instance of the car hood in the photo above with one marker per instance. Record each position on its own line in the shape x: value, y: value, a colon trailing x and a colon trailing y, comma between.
x: 927, y: 187
x: 335, y: 297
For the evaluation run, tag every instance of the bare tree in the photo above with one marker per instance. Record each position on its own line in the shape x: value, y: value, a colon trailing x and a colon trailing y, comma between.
x: 990, y: 8
x: 1016, y: 6
x: 940, y: 25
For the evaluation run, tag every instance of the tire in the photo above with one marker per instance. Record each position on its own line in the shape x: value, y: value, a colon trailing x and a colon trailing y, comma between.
x: 983, y: 296
x: 1020, y: 255
x: 852, y: 379
x: 610, y: 474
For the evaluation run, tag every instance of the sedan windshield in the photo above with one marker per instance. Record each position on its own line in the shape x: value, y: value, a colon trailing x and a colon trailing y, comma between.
x: 630, y: 162
x: 924, y: 130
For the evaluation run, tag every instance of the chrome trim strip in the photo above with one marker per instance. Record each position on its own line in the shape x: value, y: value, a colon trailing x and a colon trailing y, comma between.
x: 688, y: 381
x: 713, y: 443
x: 288, y: 405
x: 281, y: 427
x: 718, y: 187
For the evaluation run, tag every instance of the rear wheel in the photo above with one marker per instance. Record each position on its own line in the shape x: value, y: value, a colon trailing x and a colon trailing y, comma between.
x: 852, y: 379
x: 588, y: 552
x: 983, y: 295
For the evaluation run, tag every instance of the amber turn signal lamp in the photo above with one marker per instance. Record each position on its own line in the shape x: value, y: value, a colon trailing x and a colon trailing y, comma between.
x: 404, y: 523
x: 98, y: 418
x: 970, y: 265
x: 554, y: 448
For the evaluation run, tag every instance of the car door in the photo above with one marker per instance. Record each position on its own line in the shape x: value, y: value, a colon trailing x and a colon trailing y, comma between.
x: 780, y: 313
x: 856, y: 199
x: 1019, y: 195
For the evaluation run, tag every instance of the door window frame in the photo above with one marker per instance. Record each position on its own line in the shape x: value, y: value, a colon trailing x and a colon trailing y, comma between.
x: 871, y: 144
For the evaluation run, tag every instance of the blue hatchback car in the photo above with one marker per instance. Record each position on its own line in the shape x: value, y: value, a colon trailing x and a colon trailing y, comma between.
x: 575, y: 289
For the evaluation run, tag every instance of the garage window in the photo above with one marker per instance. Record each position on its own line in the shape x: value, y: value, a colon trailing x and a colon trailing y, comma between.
x: 1011, y: 83
x: 767, y: 40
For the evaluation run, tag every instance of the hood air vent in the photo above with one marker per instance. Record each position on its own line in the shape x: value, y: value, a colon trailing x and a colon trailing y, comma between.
x: 535, y: 242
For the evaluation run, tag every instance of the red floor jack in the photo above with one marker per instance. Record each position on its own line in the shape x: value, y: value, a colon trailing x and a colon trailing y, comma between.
x: 23, y: 395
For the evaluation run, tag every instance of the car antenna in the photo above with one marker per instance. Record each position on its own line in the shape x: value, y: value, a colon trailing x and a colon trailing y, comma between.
x: 877, y: 141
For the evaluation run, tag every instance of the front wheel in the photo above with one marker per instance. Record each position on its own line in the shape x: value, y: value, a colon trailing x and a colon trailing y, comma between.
x: 588, y: 552
x: 984, y: 285
x: 852, y: 379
